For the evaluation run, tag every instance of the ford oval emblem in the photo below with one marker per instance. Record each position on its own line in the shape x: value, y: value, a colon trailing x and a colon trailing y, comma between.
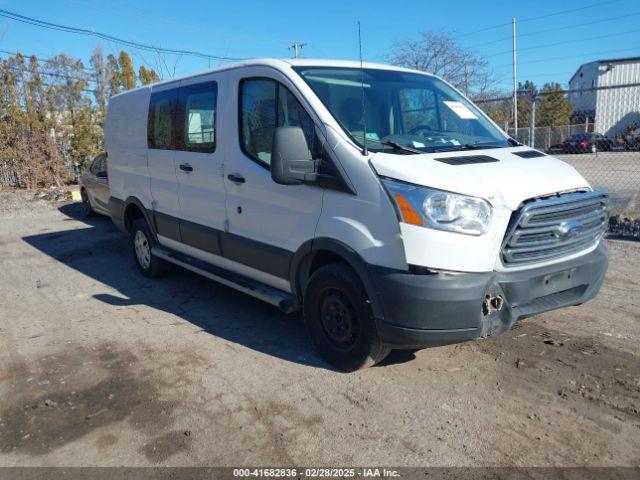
x: 569, y: 229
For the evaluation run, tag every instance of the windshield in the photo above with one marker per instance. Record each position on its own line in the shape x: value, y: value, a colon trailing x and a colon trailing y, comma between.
x: 401, y: 109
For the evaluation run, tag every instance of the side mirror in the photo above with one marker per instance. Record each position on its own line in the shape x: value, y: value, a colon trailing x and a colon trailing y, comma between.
x: 102, y: 174
x: 290, y: 162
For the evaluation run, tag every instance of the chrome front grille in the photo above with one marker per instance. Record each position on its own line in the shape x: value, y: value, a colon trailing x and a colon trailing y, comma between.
x: 553, y: 227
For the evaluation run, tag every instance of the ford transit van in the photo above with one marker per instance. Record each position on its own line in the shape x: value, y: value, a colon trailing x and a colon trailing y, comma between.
x: 377, y: 200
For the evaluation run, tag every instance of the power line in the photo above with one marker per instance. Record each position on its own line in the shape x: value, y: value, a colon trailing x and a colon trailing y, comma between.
x: 92, y: 33
x: 26, y: 80
x: 58, y: 75
x: 547, y: 15
x: 580, y: 40
x: 548, y: 74
x: 53, y: 74
x: 570, y: 10
x: 548, y: 30
x: 574, y: 55
x: 42, y: 60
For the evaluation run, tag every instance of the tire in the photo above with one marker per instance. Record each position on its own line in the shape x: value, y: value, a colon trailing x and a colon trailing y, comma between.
x: 143, y: 241
x: 87, y: 209
x: 339, y: 321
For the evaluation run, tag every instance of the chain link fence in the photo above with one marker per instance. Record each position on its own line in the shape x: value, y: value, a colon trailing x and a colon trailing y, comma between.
x: 597, y: 130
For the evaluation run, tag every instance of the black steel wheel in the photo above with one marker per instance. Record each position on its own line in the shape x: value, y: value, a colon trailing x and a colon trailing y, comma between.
x: 339, y: 320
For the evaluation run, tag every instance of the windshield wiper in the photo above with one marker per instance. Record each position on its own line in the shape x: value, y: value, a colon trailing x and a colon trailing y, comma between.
x: 394, y: 145
x: 467, y: 146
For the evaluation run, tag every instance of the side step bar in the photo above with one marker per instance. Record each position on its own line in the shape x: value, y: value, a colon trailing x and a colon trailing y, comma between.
x: 286, y: 302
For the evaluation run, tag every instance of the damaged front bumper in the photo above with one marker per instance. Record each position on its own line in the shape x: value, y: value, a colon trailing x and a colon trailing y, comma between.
x: 443, y: 308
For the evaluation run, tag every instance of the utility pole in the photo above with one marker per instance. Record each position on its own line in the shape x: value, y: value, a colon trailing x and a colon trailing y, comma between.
x: 532, y: 130
x: 466, y: 79
x: 296, y: 47
x: 515, y: 79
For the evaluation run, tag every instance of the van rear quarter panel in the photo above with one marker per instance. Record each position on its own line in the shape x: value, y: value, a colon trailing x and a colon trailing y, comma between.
x: 126, y: 145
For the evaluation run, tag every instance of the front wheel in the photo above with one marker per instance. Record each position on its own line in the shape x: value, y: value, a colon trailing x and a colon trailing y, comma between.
x: 339, y: 320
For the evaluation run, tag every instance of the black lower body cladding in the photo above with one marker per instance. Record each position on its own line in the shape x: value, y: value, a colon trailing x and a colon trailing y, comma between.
x: 444, y: 308
x: 116, y: 211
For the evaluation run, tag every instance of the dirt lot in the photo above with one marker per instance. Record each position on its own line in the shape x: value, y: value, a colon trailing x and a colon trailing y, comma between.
x: 101, y: 366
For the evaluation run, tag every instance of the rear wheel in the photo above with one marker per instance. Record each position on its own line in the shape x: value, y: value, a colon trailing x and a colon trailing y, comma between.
x: 143, y: 243
x: 339, y: 320
x: 87, y: 209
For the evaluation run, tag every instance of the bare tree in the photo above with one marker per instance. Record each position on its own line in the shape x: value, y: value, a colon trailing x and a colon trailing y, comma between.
x: 441, y: 54
x: 101, y: 76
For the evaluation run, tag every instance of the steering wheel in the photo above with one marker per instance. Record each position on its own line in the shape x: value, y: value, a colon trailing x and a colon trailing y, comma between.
x: 419, y: 128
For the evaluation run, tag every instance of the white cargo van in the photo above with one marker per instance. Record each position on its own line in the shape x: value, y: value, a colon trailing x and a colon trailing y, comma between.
x: 378, y: 200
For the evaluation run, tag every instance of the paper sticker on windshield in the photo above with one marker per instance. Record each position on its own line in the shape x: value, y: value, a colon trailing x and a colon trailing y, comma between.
x: 461, y: 110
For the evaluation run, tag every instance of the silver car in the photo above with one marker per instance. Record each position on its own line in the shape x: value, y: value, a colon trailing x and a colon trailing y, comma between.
x: 94, y: 187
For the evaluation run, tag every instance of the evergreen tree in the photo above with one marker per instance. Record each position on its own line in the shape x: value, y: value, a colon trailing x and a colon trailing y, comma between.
x: 527, y: 93
x: 127, y: 74
x: 554, y: 107
x: 113, y: 72
x: 147, y: 76
x: 75, y: 126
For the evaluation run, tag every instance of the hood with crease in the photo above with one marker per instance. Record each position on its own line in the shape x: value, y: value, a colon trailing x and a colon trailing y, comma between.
x: 509, y: 181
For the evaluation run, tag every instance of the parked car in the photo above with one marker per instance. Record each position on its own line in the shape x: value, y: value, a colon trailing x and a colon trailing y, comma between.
x: 632, y: 137
x: 583, y: 143
x: 377, y: 200
x: 94, y: 187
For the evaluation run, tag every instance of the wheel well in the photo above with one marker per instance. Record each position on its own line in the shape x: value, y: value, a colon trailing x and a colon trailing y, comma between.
x: 330, y: 251
x: 131, y: 214
x: 322, y: 258
x: 314, y: 261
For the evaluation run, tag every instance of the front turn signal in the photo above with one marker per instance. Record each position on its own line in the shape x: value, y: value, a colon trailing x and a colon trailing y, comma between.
x: 409, y: 215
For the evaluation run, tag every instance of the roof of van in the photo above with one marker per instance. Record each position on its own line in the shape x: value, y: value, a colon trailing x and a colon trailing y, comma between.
x: 282, y: 62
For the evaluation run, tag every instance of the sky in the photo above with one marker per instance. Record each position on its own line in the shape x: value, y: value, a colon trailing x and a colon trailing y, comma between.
x: 552, y: 43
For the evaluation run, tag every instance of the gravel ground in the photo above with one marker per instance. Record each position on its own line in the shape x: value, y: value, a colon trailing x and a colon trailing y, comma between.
x: 101, y: 366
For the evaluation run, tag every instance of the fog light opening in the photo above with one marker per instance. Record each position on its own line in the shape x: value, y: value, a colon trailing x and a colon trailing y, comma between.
x: 486, y: 305
x: 492, y: 304
x: 497, y: 302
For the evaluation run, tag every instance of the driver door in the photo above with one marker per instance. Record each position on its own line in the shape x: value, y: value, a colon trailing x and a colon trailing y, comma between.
x: 267, y: 222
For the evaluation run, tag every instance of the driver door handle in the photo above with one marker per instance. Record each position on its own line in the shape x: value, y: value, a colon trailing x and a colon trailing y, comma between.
x: 185, y: 167
x: 236, y: 178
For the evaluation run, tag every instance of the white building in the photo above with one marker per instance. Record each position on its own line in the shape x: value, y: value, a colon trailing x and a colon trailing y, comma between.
x: 612, y: 109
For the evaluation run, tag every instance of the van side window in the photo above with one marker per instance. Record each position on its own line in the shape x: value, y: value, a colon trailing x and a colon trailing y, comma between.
x: 198, y: 117
x: 291, y: 114
x: 162, y: 111
x: 264, y: 105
